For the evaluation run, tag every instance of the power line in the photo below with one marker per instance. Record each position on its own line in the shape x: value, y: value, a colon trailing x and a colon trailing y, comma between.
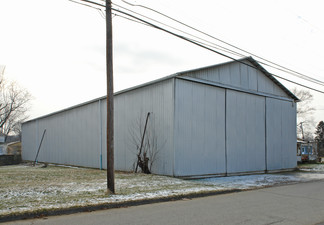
x: 285, y: 69
x: 222, y: 48
x: 199, y: 44
x: 133, y: 20
x: 211, y: 44
x: 99, y: 9
x: 302, y: 85
x: 278, y: 67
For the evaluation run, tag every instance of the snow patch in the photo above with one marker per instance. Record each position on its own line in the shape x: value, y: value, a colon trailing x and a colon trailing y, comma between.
x: 129, y: 187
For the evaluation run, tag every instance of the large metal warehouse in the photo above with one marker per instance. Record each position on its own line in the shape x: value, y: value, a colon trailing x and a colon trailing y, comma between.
x: 225, y: 119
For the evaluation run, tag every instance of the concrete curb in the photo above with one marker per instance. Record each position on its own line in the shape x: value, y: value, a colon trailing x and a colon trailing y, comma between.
x: 90, y: 208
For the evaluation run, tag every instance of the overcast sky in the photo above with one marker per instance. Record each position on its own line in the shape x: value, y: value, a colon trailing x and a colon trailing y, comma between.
x: 56, y: 48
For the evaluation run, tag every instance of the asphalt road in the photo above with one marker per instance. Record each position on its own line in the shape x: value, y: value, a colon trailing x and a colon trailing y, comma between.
x: 301, y: 203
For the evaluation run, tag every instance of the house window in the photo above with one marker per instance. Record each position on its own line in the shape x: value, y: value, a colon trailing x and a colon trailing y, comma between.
x: 307, y: 150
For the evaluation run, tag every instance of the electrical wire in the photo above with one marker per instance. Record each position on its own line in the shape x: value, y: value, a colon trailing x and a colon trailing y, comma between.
x: 302, y: 85
x: 210, y: 43
x: 102, y: 14
x: 195, y: 42
x: 213, y: 45
x: 133, y: 20
x: 84, y: 4
x: 284, y: 69
x: 200, y: 45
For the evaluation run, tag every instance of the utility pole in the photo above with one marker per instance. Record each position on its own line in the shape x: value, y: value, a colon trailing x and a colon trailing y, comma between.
x: 110, y: 101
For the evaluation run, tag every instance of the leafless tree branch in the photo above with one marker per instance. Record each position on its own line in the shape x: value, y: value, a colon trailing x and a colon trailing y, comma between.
x: 14, y: 104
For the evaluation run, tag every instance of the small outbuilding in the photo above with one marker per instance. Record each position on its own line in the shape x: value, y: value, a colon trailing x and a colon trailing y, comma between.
x: 225, y: 119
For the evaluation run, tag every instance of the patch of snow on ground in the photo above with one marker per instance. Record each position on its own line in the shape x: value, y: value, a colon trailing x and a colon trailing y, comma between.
x: 262, y: 180
x: 250, y: 181
x: 317, y: 168
x: 138, y: 187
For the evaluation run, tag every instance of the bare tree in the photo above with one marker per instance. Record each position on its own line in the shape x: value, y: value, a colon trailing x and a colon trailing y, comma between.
x: 144, y: 137
x: 319, y: 138
x: 14, y: 104
x: 304, y: 106
x: 305, y: 110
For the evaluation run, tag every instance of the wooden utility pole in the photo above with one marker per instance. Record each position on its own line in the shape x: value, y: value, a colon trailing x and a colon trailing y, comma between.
x: 110, y: 101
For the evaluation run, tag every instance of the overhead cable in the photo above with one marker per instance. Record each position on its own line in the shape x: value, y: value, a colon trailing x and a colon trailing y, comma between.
x: 195, y: 42
x: 210, y: 43
x: 284, y: 69
x: 205, y: 47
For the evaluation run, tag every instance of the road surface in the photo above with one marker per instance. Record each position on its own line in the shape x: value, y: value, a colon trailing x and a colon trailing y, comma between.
x: 301, y: 203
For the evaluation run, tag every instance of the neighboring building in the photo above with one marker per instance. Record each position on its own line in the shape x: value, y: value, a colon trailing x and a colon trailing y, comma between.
x: 299, y: 150
x: 6, y: 144
x: 224, y: 119
x: 308, y: 151
x: 14, y: 148
x: 10, y: 153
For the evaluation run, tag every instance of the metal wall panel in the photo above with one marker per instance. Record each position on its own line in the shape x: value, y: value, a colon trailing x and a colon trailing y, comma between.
x: 281, y: 134
x: 235, y: 75
x: 72, y: 137
x: 252, y: 77
x: 29, y: 140
x: 244, y: 74
x: 199, y: 129
x: 245, y: 132
x: 239, y: 75
x: 131, y: 109
x: 289, y: 124
x: 77, y: 136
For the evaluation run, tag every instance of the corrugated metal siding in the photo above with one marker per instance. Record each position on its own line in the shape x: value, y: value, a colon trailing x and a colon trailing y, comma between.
x: 72, y: 137
x: 29, y: 140
x: 78, y: 135
x: 131, y: 109
x: 281, y: 134
x: 240, y: 76
x: 199, y: 129
x: 245, y: 132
